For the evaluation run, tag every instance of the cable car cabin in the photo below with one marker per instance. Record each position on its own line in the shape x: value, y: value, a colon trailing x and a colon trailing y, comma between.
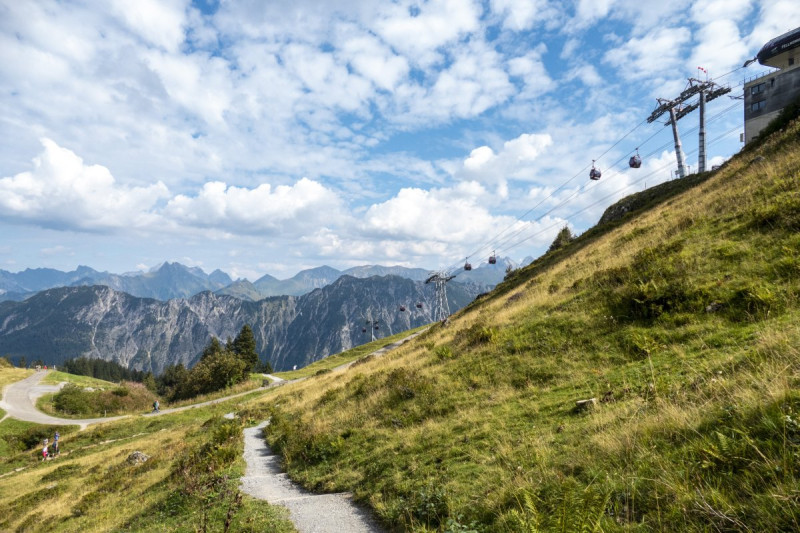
x: 402, y: 307
x: 594, y: 174
x: 492, y: 259
x: 419, y: 306
x: 377, y: 327
x: 635, y: 161
x: 363, y: 330
x: 467, y: 266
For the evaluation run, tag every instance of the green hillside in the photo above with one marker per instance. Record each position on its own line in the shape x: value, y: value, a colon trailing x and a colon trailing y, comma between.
x: 681, y: 320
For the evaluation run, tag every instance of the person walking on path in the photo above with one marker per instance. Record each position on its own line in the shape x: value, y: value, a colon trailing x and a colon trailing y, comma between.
x: 155, y: 406
x: 44, y: 451
x: 55, y: 442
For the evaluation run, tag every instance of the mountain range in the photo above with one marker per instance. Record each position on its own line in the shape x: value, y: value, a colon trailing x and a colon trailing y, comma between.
x: 147, y: 334
x: 174, y: 280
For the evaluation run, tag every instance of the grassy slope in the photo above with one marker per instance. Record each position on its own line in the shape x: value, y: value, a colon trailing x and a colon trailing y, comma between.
x: 353, y: 354
x: 682, y: 321
x: 189, y: 483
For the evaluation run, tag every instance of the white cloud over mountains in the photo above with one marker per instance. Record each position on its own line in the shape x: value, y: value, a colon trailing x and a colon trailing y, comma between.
x: 63, y: 193
x: 405, y: 130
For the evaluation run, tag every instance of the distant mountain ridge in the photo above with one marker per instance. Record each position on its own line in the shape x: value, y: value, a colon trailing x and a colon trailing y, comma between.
x: 169, y: 280
x: 174, y: 280
x: 147, y: 334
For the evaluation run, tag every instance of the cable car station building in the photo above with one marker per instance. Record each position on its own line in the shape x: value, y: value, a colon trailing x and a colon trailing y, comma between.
x: 766, y: 96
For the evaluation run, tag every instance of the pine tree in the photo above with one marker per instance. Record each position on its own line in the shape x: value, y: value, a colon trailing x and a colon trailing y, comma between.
x: 563, y: 238
x: 244, y: 346
x: 213, y: 348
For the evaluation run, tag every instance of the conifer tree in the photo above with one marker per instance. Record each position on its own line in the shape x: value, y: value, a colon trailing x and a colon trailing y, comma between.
x: 563, y: 238
x: 244, y: 346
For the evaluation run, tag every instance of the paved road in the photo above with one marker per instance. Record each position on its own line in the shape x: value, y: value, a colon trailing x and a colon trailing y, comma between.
x: 310, y: 513
x: 19, y: 401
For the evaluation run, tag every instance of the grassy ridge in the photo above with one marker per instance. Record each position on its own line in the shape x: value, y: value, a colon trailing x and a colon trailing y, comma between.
x: 347, y: 356
x: 682, y: 322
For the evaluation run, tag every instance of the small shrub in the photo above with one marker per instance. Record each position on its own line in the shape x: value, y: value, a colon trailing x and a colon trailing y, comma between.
x: 478, y: 334
x: 443, y: 352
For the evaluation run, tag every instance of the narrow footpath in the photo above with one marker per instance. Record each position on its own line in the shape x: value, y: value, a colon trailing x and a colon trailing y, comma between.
x: 310, y: 513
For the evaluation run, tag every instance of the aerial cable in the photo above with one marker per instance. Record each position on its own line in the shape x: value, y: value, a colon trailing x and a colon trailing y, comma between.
x: 497, y: 242
x: 521, y: 218
x: 508, y: 248
x: 521, y: 241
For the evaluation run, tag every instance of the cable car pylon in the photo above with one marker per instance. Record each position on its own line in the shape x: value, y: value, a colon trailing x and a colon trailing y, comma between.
x: 441, y: 309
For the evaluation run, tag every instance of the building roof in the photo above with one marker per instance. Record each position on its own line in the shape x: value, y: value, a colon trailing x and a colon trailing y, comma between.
x: 779, y: 45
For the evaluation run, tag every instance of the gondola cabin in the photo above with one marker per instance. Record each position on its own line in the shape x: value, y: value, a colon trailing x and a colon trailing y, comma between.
x: 635, y: 161
x: 595, y: 173
x: 419, y: 306
x: 467, y: 266
x: 493, y: 259
x: 402, y: 307
x: 363, y: 330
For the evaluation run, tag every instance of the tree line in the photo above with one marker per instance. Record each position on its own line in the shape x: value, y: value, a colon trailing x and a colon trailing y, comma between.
x: 220, y: 366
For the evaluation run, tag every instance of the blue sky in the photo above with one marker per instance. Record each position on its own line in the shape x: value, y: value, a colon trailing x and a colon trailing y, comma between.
x: 267, y: 137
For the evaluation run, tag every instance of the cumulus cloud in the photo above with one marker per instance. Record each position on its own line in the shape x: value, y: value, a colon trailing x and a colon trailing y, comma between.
x: 417, y: 32
x: 157, y: 22
x: 720, y: 47
x: 513, y: 161
x: 62, y: 192
x: 288, y: 210
x: 531, y: 69
x: 520, y: 15
x: 651, y: 56
x: 452, y: 215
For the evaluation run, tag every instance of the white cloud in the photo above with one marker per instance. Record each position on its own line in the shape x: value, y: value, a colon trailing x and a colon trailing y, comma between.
x: 475, y: 82
x: 588, y: 11
x: 520, y: 15
x: 374, y: 61
x: 531, y: 69
x: 775, y: 17
x: 513, y: 161
x: 450, y: 215
x: 158, y: 22
x: 720, y: 48
x: 57, y: 250
x: 653, y: 56
x: 63, y: 193
x: 418, y: 31
x: 200, y: 84
x: 587, y: 74
x: 707, y: 11
x: 287, y: 210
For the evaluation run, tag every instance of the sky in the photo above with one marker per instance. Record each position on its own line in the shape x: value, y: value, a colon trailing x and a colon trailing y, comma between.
x: 265, y: 137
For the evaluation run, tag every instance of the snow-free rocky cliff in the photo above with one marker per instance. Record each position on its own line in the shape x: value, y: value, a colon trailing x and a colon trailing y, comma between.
x: 148, y: 334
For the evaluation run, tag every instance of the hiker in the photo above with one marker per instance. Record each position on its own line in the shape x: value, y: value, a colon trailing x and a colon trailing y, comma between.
x: 55, y: 443
x: 155, y: 406
x: 44, y: 451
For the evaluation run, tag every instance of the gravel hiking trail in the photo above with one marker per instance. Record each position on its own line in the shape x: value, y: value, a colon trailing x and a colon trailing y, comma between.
x: 19, y: 401
x: 310, y: 513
